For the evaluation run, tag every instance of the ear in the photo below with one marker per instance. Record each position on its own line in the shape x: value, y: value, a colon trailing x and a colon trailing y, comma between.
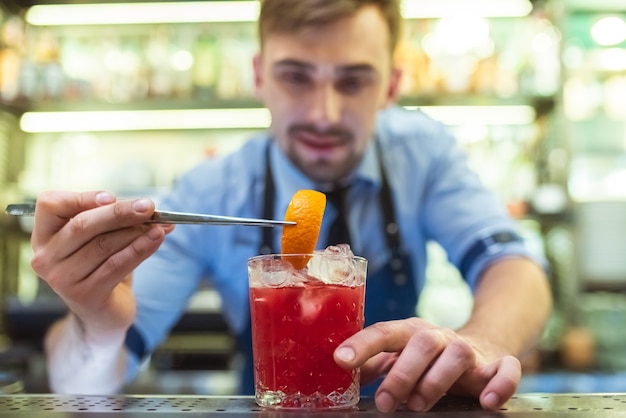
x: 257, y: 65
x: 394, y: 85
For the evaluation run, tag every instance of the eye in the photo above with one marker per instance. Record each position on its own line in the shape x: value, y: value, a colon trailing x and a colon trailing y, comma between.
x: 295, y: 78
x: 350, y: 85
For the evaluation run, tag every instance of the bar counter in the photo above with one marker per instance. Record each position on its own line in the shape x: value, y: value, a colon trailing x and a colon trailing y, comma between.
x: 164, y: 406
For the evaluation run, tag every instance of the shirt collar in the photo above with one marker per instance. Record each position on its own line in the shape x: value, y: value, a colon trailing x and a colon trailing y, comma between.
x: 368, y: 171
x: 288, y: 182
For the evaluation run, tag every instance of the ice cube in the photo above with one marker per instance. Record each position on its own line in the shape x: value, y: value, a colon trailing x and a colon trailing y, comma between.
x: 299, y: 277
x: 341, y: 249
x: 274, y: 278
x: 270, y: 272
x: 311, y: 303
x: 275, y: 272
x: 335, y: 265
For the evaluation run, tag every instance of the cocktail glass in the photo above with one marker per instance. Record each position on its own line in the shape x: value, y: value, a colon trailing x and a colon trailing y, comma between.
x: 299, y: 317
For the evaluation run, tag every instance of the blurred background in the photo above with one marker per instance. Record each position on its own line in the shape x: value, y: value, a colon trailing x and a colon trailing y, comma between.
x: 127, y: 96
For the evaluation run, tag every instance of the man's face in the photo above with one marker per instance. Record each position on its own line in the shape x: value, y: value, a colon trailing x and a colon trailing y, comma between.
x: 323, y: 88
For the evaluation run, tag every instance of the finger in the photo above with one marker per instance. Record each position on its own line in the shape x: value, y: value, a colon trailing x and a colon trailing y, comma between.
x: 120, y: 264
x: 54, y: 208
x: 125, y: 261
x: 447, y: 368
x: 390, y: 336
x: 503, y: 384
x: 67, y: 270
x: 377, y: 366
x: 421, y: 350
x: 86, y: 225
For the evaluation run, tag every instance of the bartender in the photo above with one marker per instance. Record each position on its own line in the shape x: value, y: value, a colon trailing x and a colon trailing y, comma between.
x: 396, y: 179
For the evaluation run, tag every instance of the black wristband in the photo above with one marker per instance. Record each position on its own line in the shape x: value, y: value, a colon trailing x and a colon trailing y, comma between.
x: 135, y: 343
x: 482, y: 245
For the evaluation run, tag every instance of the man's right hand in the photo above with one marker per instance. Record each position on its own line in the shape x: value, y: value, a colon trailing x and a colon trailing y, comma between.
x: 86, y: 246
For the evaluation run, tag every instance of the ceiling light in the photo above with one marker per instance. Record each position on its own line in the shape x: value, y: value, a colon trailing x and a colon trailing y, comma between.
x: 253, y: 118
x: 416, y: 9
x: 137, y: 13
x: 480, y: 115
x: 609, y: 59
x: 609, y: 31
x: 240, y: 11
x: 594, y: 6
x: 143, y: 120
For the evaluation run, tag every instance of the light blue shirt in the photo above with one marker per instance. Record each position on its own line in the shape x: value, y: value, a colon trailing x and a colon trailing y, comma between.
x: 436, y: 197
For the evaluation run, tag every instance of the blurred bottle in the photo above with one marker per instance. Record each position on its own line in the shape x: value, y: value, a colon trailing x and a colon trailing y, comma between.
x: 418, y: 78
x: 578, y: 347
x: 158, y: 52
x: 47, y: 58
x: 542, y: 75
x: 206, y: 64
x: 11, y: 41
x: 236, y: 79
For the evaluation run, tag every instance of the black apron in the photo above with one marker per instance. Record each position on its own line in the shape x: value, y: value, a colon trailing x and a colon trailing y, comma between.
x: 390, y: 292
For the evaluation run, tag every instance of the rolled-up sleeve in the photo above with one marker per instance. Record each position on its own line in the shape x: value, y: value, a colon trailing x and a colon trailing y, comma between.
x: 454, y: 206
x: 466, y: 217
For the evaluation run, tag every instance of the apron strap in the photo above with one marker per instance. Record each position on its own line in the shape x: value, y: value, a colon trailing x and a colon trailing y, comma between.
x: 391, y: 228
x: 267, y: 245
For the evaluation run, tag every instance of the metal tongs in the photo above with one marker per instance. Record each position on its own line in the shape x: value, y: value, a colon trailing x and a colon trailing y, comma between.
x: 168, y: 217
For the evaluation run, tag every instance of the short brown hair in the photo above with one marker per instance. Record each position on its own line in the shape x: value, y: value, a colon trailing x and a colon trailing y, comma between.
x: 285, y: 16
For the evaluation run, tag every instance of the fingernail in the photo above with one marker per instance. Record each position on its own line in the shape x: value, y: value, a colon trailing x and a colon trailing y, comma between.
x: 416, y: 403
x: 104, y: 198
x: 345, y: 354
x: 491, y: 400
x: 142, y: 205
x: 385, y: 402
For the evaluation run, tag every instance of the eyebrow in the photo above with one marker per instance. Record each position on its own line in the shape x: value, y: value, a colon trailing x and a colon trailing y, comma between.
x: 310, y: 67
x: 293, y: 63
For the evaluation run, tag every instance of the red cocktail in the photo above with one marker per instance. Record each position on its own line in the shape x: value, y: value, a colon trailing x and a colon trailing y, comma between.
x: 298, y: 320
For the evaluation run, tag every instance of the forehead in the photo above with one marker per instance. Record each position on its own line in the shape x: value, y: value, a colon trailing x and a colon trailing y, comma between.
x: 359, y: 39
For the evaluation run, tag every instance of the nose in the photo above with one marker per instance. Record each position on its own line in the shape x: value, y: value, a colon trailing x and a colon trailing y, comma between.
x: 326, y: 107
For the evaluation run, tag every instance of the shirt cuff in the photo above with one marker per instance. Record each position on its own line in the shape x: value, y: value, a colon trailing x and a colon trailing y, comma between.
x: 79, y: 365
x: 502, y: 252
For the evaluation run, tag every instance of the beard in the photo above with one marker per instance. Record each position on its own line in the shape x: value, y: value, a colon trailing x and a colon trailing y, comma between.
x: 322, y: 155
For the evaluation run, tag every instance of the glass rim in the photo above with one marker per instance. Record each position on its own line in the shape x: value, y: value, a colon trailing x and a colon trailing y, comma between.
x: 317, y: 252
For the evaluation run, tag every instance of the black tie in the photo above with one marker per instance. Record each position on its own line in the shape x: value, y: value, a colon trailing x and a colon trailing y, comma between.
x: 339, y: 232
